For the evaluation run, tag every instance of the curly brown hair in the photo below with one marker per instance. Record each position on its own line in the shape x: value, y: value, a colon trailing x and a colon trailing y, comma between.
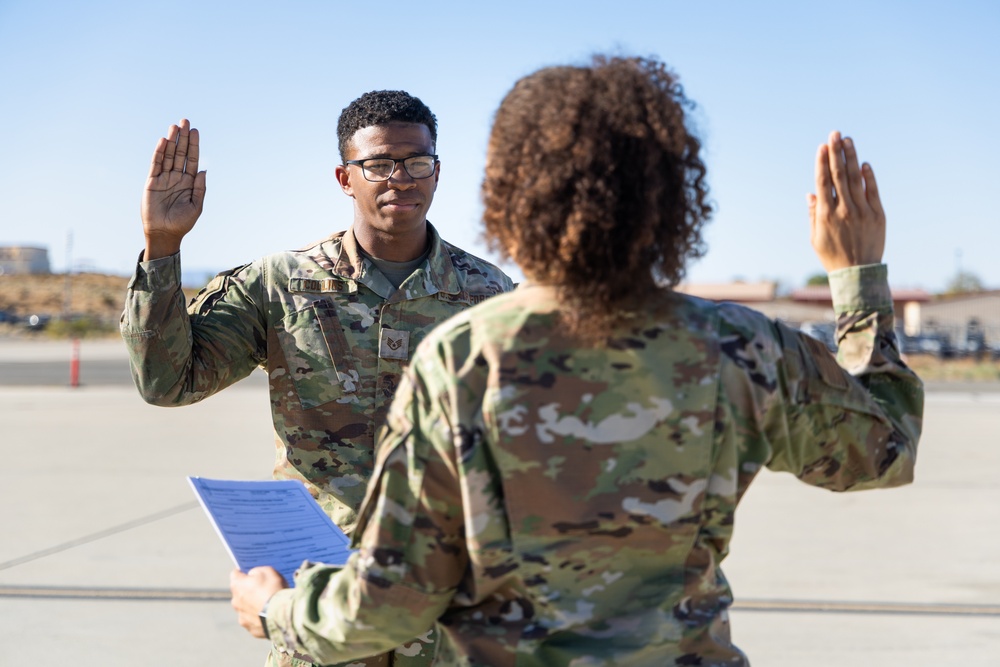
x: 594, y: 185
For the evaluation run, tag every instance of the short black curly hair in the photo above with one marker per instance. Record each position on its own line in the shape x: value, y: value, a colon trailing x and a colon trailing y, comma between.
x: 594, y: 184
x: 379, y: 107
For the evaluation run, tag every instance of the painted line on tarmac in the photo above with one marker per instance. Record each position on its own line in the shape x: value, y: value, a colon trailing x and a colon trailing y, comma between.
x: 786, y: 606
x: 881, y: 608
x: 94, y: 593
x: 93, y: 537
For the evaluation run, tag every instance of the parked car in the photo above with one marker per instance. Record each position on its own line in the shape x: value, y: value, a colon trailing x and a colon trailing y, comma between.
x: 935, y: 343
x: 971, y: 341
x: 37, y: 322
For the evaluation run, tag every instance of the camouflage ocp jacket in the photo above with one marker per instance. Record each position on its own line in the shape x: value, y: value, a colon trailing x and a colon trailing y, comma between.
x: 547, y: 503
x: 329, y: 329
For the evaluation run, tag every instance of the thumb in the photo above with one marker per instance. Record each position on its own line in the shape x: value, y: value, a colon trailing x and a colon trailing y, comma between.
x: 198, y: 194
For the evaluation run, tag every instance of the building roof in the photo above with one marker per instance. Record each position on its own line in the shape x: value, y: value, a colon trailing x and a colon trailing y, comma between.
x: 738, y: 291
x: 966, y: 296
x: 821, y: 294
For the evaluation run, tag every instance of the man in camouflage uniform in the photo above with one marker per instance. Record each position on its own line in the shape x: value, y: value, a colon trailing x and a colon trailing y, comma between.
x: 333, y: 324
x: 549, y: 502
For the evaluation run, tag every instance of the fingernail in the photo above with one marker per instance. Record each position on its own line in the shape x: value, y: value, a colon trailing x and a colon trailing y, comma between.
x: 848, y: 142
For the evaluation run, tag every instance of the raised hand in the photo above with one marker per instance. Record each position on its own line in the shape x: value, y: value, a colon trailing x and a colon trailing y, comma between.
x: 175, y: 191
x: 848, y: 223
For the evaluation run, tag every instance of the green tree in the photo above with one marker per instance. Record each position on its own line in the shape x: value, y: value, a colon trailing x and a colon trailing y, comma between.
x: 964, y: 282
x: 817, y: 279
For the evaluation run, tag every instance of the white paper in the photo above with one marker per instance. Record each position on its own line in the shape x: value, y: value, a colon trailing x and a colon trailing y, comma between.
x: 273, y: 522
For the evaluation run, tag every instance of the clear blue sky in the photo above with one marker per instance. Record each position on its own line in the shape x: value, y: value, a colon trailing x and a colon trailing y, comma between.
x: 87, y: 88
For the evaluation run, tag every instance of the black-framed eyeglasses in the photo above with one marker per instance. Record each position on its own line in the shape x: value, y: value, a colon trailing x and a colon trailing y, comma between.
x: 378, y: 169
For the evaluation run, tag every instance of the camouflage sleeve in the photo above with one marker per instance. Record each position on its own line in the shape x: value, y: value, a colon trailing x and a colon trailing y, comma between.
x: 181, y: 355
x: 410, y: 558
x: 842, y: 426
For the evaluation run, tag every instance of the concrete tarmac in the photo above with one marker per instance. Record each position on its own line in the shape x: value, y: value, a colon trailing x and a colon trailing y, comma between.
x: 106, y: 559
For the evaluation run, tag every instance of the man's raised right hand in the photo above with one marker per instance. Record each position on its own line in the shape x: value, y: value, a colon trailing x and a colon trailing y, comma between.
x: 175, y: 191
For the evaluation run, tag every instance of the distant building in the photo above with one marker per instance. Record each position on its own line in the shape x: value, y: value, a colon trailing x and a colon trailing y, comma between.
x: 960, y: 320
x: 907, y: 304
x: 956, y: 314
x: 23, y: 259
x: 737, y: 292
x: 763, y: 297
x: 807, y: 304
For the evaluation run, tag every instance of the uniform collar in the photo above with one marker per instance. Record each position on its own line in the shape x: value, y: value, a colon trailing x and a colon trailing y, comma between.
x: 438, y: 273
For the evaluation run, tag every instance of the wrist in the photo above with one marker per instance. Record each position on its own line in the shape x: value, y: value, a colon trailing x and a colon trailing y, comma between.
x: 263, y: 619
x: 159, y: 246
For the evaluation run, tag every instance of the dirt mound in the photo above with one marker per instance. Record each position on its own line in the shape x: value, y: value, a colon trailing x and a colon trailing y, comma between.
x: 96, y: 295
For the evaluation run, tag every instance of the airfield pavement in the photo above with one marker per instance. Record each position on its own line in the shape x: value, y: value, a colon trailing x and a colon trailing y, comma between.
x: 106, y: 559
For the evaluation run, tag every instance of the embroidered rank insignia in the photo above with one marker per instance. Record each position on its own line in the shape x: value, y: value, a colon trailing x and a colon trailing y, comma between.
x: 394, y: 344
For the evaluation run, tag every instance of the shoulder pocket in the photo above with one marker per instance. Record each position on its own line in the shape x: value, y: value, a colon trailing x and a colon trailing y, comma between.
x: 819, y: 378
x: 204, y: 301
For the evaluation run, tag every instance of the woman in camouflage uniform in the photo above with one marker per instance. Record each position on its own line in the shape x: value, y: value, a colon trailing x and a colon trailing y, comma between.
x: 559, y: 478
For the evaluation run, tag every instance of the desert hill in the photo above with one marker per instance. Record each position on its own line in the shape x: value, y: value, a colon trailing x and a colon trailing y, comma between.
x: 97, y: 296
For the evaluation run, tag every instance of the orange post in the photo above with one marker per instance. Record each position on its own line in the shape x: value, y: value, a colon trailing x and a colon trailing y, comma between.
x: 74, y: 364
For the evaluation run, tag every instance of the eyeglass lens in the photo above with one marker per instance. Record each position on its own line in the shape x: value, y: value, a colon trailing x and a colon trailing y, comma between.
x: 418, y: 166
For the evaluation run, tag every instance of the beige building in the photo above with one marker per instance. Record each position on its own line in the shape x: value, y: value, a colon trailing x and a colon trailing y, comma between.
x: 960, y: 319
x: 960, y: 315
x: 23, y: 259
x: 762, y: 296
x: 908, y: 304
x: 808, y: 304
